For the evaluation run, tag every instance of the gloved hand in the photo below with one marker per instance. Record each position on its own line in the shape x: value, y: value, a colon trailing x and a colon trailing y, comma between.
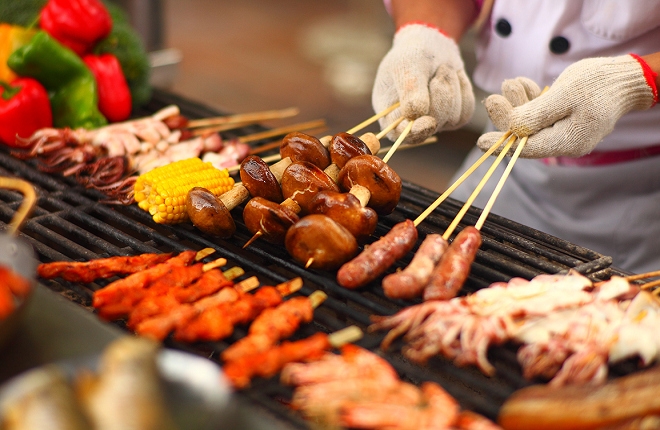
x: 424, y: 71
x: 576, y: 113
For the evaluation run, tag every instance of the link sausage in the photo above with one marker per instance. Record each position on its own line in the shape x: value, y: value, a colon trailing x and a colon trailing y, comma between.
x: 379, y: 256
x: 583, y: 407
x: 454, y: 267
x: 410, y: 282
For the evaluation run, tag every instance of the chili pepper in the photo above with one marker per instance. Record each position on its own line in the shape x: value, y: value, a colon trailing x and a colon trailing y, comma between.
x: 24, y: 109
x: 12, y: 37
x: 77, y: 24
x: 70, y: 84
x: 114, y: 96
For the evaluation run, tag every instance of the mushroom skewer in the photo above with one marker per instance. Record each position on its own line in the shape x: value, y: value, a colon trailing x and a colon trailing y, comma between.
x: 302, y: 182
x: 212, y: 214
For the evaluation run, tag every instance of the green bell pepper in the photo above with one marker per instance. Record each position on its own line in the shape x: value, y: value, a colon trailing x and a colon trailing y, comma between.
x: 70, y: 84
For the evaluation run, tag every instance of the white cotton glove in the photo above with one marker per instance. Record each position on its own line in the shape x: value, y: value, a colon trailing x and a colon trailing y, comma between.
x: 576, y: 113
x: 424, y: 71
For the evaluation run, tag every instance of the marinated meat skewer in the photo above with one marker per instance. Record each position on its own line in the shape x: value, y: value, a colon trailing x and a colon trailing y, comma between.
x: 218, y: 322
x: 88, y: 271
x: 114, y: 291
x: 274, y: 324
x: 161, y: 325
x: 270, y: 362
x: 176, y: 277
x: 156, y: 303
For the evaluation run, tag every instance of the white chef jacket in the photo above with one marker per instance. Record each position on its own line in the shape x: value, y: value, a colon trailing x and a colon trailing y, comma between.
x: 613, y: 209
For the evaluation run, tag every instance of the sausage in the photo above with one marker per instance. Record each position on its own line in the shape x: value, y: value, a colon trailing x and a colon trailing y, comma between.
x: 410, y: 282
x: 583, y: 407
x: 454, y: 267
x: 379, y: 256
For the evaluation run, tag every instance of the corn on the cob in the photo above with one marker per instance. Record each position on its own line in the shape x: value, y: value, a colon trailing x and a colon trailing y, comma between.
x: 163, y: 191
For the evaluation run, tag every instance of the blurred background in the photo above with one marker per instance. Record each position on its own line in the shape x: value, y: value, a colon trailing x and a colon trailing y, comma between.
x: 320, y: 56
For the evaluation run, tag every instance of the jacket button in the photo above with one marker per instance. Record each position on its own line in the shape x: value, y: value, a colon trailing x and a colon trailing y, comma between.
x: 559, y: 45
x: 502, y: 27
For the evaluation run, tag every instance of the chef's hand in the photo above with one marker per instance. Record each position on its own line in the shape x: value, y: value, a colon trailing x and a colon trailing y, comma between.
x: 577, y: 112
x: 424, y: 71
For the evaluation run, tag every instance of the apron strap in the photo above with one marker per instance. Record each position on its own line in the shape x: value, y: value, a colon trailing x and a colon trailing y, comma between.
x: 602, y: 158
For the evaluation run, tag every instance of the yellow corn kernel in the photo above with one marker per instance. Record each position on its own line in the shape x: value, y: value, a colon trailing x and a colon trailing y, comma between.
x: 162, y: 191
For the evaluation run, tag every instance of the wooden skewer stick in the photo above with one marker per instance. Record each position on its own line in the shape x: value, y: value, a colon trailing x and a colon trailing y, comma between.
x: 218, y: 128
x: 651, y: 284
x: 247, y: 284
x: 505, y: 175
x: 233, y: 273
x: 252, y: 117
x: 389, y: 128
x: 280, y: 131
x: 254, y: 237
x: 500, y: 184
x: 214, y: 264
x: 373, y: 119
x: 289, y: 287
x: 478, y: 188
x: 642, y: 276
x: 344, y: 336
x: 203, y: 253
x: 400, y: 139
x: 316, y: 298
x: 460, y: 180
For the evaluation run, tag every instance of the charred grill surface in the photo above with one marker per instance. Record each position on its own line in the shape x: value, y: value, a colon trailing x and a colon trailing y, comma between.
x: 69, y: 223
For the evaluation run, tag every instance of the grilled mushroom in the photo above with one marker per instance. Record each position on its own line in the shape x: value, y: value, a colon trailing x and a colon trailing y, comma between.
x: 347, y: 210
x: 319, y: 242
x: 268, y: 219
x: 380, y: 179
x: 303, y: 147
x: 301, y: 182
x: 260, y: 181
x: 211, y: 214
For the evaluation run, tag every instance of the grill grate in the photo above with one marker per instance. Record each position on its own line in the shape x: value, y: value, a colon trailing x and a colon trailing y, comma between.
x: 70, y: 224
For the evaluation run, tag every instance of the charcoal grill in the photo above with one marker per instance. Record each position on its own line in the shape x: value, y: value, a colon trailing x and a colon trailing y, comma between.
x: 69, y: 223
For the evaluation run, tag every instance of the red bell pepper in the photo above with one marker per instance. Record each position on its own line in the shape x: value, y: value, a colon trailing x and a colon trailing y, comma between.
x: 24, y: 109
x: 76, y: 24
x: 115, y: 101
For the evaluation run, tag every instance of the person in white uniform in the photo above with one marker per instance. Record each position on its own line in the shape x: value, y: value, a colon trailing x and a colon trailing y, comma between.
x: 590, y: 172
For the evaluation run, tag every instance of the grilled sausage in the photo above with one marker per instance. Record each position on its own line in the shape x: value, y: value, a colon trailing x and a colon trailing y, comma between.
x: 410, y: 282
x: 454, y: 266
x: 584, y: 407
x: 379, y: 256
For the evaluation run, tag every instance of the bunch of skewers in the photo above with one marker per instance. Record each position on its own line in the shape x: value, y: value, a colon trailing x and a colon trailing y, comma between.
x: 161, y: 295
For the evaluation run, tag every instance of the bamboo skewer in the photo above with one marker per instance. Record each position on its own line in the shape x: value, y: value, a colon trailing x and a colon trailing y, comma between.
x: 500, y: 184
x: 389, y: 128
x: 400, y: 139
x: 315, y: 124
x: 218, y: 128
x: 478, y: 188
x: 373, y: 119
x: 460, y: 180
x: 245, y: 117
x: 276, y: 157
